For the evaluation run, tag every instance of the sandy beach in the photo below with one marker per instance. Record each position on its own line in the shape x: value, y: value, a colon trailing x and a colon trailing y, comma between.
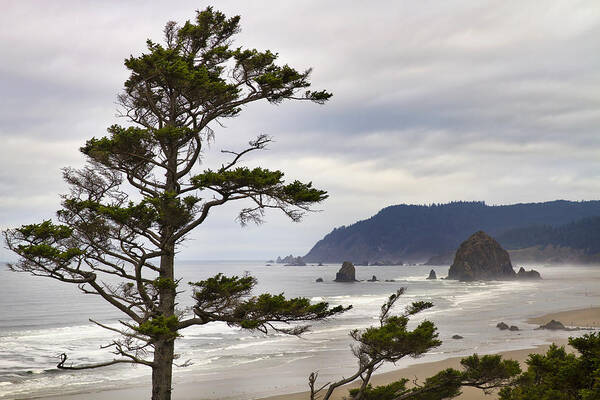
x: 588, y: 317
x: 585, y: 317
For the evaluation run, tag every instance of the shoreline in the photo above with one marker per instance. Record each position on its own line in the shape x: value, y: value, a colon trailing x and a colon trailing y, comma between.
x: 425, y: 370
x: 188, y: 390
x: 583, y: 317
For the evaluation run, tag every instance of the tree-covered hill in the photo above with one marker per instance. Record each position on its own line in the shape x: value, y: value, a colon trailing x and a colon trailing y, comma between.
x: 412, y: 233
x: 583, y: 234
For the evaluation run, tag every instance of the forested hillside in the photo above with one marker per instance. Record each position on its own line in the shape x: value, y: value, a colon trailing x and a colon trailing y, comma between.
x: 413, y: 233
x: 583, y: 235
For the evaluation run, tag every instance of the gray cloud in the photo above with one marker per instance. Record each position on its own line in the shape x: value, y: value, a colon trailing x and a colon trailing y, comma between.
x: 434, y: 101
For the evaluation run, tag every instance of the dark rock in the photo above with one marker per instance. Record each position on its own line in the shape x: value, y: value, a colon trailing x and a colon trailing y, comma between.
x: 390, y: 280
x: 347, y: 273
x: 319, y: 280
x: 457, y: 337
x: 556, y: 326
x: 291, y: 261
x: 502, y: 326
x: 531, y: 274
x: 513, y: 328
x: 432, y: 275
x: 373, y: 279
x: 320, y: 264
x: 480, y: 257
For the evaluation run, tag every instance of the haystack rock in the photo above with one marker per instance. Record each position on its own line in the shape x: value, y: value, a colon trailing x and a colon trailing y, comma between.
x: 432, y: 275
x: 347, y: 273
x: 480, y: 257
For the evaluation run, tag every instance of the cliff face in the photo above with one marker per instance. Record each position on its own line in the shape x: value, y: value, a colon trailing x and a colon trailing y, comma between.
x: 480, y: 257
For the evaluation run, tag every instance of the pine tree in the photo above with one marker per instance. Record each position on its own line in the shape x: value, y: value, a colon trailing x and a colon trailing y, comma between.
x: 177, y: 92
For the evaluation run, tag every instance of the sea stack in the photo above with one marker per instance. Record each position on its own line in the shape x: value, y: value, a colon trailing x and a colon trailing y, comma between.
x: 480, y: 257
x: 347, y: 273
x: 432, y: 275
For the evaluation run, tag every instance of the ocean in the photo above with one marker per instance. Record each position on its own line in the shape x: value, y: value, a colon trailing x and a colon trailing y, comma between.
x: 41, y: 318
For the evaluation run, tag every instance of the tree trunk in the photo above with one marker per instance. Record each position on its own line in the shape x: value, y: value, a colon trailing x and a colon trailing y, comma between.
x: 162, y: 371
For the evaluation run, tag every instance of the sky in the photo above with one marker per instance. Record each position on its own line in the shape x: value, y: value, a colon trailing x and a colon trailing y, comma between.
x: 434, y: 101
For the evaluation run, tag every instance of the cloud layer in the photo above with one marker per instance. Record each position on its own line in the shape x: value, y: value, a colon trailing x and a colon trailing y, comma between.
x: 433, y: 102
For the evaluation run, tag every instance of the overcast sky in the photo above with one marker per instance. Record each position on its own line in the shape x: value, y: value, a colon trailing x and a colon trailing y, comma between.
x: 434, y: 101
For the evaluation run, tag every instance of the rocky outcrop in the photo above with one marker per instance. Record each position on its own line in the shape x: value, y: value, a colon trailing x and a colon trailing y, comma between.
x: 513, y: 328
x: 373, y: 279
x: 291, y: 261
x: 432, y: 275
x: 347, y: 273
x: 555, y: 326
x: 528, y: 275
x: 480, y: 257
x: 502, y: 326
x: 319, y: 280
x: 457, y: 337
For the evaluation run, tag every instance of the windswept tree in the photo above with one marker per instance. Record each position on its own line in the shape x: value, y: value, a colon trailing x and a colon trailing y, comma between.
x: 391, y: 341
x: 143, y: 192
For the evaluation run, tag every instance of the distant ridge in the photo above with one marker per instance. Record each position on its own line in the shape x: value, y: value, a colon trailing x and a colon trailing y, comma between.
x: 414, y: 233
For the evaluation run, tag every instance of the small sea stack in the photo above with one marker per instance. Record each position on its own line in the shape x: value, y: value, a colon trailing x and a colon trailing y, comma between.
x: 432, y: 275
x: 347, y: 273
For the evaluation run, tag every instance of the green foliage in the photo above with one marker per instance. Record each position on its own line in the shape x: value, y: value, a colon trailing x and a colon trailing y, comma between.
x: 126, y: 146
x: 160, y: 327
x: 484, y: 372
x: 227, y: 299
x: 387, y: 392
x: 299, y: 193
x: 262, y: 181
x: 164, y: 283
x: 254, y: 312
x: 210, y: 292
x: 558, y: 375
x: 230, y: 181
x: 392, y: 339
x: 47, y: 243
x: 45, y: 231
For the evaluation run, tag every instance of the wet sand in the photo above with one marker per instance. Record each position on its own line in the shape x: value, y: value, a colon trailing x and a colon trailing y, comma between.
x: 585, y: 317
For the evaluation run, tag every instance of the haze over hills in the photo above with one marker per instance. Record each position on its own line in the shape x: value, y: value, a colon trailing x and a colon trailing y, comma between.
x: 414, y: 233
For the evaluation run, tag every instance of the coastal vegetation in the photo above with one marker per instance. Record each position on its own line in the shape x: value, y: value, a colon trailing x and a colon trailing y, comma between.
x: 391, y: 341
x: 141, y: 194
x: 415, y: 233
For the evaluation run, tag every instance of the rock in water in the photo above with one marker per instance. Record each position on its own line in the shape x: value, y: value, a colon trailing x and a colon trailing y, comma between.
x: 556, y: 326
x: 480, y: 257
x: 432, y: 275
x: 502, y: 326
x: 347, y: 273
x: 457, y: 337
x: 373, y: 279
x: 531, y: 274
x: 319, y: 280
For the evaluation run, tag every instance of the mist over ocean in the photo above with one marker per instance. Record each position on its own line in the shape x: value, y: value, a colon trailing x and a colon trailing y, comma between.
x: 41, y: 318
